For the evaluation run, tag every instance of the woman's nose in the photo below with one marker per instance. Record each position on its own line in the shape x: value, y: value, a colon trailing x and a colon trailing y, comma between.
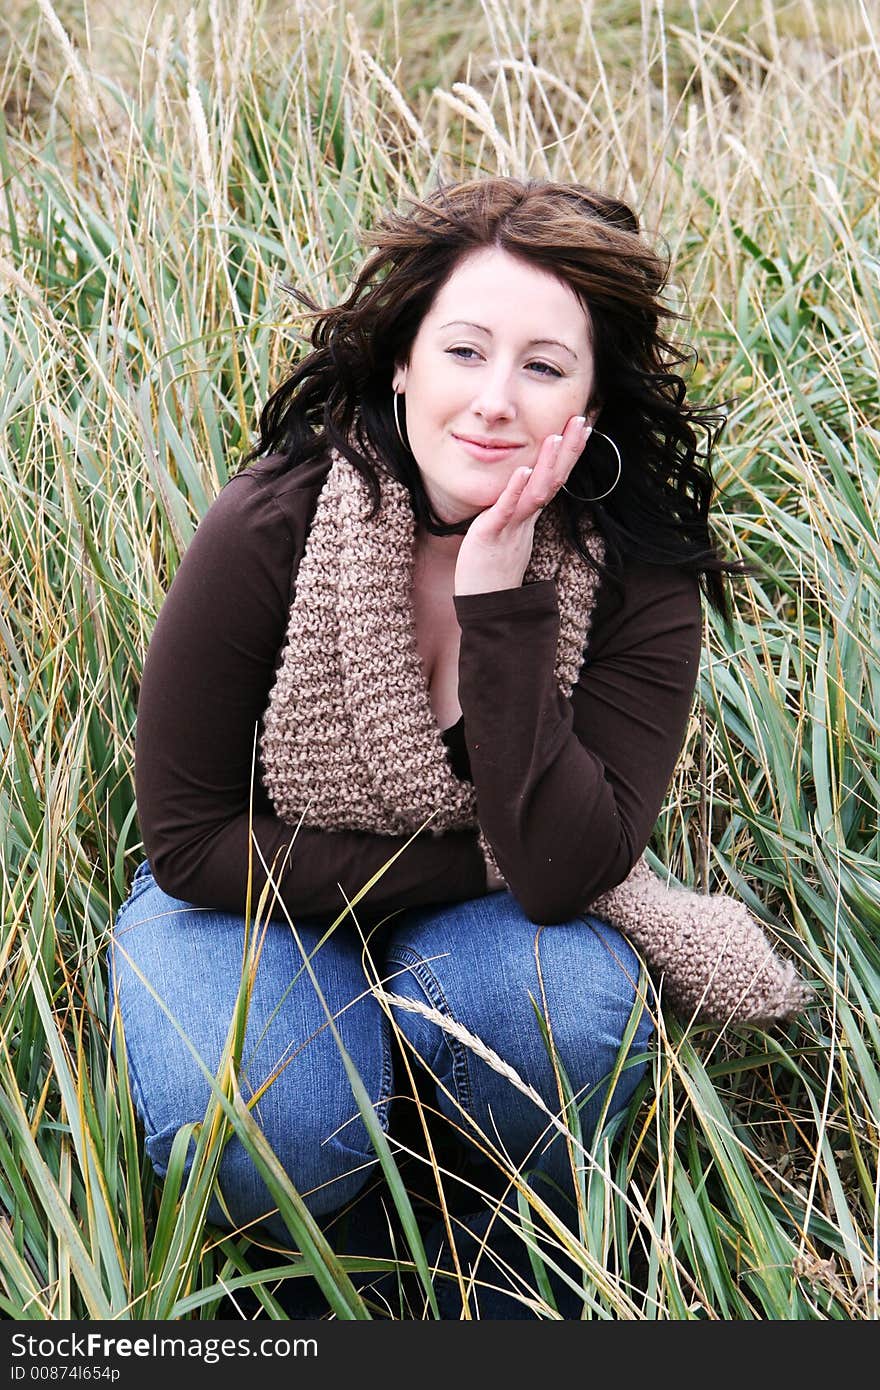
x: 496, y: 396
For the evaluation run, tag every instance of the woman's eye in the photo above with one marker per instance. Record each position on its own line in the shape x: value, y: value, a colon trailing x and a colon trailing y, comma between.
x: 467, y: 354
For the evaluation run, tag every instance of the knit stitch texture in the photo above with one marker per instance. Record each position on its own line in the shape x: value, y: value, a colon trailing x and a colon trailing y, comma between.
x: 350, y: 741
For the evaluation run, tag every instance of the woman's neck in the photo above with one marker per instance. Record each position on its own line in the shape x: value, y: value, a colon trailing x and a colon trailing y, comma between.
x: 439, y: 552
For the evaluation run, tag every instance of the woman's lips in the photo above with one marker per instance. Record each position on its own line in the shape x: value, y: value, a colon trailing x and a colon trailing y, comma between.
x: 487, y: 453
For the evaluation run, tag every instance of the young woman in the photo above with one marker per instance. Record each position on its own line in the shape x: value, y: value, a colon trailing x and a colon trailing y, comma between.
x: 438, y: 642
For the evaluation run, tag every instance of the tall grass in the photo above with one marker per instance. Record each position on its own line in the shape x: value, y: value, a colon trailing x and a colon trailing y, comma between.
x: 159, y: 186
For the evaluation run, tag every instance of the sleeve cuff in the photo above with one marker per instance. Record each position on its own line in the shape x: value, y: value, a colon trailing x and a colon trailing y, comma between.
x: 538, y: 598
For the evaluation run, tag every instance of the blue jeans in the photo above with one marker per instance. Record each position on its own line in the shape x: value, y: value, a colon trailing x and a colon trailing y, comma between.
x: 473, y: 962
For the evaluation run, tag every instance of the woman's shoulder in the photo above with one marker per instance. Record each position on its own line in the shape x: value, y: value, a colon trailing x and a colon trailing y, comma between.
x: 255, y: 530
x: 268, y: 489
x: 262, y: 511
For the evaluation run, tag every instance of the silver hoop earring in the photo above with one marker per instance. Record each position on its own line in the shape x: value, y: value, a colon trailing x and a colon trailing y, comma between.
x: 397, y: 423
x: 616, y: 480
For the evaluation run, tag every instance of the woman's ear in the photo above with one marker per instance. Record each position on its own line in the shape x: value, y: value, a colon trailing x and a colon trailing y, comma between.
x: 398, y: 381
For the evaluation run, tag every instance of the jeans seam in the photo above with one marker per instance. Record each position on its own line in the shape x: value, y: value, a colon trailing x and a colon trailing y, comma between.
x: 387, y: 1082
x: 404, y: 955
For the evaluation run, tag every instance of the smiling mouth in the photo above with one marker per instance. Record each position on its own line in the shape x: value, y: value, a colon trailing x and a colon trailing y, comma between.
x: 490, y: 446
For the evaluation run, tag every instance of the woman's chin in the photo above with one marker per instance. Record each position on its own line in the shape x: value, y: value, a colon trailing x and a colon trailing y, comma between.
x: 468, y: 505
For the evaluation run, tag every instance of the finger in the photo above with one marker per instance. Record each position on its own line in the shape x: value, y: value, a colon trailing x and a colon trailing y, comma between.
x: 574, y: 440
x: 543, y: 484
x: 510, y: 498
x: 556, y: 458
x: 549, y: 451
x: 557, y: 462
x: 560, y: 452
x: 504, y: 510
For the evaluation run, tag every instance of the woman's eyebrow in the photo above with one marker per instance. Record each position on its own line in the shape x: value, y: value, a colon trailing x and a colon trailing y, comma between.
x: 534, y: 342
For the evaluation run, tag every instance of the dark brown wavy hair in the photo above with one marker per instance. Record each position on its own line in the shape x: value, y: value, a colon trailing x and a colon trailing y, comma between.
x: 340, y: 395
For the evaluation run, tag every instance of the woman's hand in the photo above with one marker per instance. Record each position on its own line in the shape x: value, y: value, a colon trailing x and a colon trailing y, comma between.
x: 498, y: 545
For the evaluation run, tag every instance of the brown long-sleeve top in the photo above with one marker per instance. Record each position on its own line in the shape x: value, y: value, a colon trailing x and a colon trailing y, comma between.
x: 568, y: 790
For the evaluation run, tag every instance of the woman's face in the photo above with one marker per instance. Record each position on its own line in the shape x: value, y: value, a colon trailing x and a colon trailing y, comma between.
x: 501, y: 360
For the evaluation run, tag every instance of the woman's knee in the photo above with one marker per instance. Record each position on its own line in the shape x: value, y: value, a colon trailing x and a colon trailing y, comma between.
x: 326, y: 1154
x: 487, y: 968
x: 177, y: 977
x: 596, y: 1013
x: 310, y: 1116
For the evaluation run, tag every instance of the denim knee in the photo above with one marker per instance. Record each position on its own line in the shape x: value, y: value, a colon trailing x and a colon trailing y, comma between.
x: 325, y: 1151
x: 481, y: 964
x: 191, y: 959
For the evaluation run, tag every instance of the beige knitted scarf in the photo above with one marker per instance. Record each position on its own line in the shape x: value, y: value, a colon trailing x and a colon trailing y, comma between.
x: 350, y: 741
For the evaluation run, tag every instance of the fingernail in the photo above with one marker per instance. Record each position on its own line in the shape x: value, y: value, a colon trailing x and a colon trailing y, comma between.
x: 557, y: 440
